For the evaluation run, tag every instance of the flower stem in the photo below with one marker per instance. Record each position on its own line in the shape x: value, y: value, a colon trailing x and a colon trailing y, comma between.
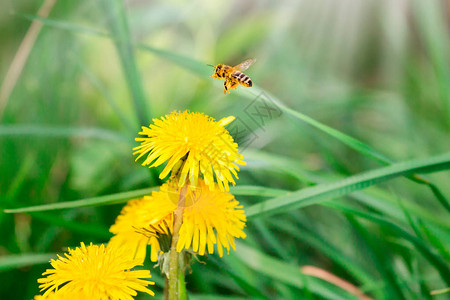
x: 166, y: 288
x: 174, y: 264
x: 182, y: 285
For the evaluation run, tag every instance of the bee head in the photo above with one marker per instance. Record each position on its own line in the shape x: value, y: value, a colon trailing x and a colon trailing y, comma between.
x: 216, y: 70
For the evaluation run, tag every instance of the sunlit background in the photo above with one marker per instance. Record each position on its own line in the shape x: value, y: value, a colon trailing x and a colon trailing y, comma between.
x: 77, y: 87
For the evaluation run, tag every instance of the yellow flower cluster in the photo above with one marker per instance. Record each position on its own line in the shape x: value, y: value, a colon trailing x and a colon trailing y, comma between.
x: 201, y: 155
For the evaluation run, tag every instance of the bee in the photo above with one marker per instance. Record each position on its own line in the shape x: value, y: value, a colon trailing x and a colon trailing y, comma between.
x: 233, y: 76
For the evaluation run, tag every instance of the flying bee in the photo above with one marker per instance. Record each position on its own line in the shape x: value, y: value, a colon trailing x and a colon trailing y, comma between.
x: 233, y: 76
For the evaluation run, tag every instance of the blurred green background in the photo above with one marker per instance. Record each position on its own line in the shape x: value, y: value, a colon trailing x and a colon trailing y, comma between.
x: 377, y: 71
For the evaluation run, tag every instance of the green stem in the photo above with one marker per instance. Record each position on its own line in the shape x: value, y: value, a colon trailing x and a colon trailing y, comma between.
x: 181, y: 283
x: 166, y: 288
x: 174, y: 261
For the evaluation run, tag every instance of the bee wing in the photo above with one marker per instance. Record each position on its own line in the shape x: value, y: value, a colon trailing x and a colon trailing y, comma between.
x: 245, y: 64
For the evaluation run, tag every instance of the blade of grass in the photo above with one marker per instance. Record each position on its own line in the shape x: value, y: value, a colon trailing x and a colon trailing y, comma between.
x: 22, y: 54
x: 117, y: 20
x: 61, y: 132
x: 438, y: 194
x: 375, y: 198
x: 318, y: 242
x: 373, y: 251
x: 195, y: 66
x: 271, y: 239
x: 64, y: 25
x: 89, y: 230
x: 345, y: 139
x: 19, y: 179
x: 285, y: 272
x: 10, y: 262
x: 216, y: 297
x: 96, y: 82
x: 432, y: 27
x: 423, y: 248
x: 440, y: 291
x: 95, y: 201
x: 258, y: 191
x: 239, y: 277
x: 335, y: 280
x: 322, y: 192
x: 437, y: 242
x: 285, y: 164
x: 188, y: 63
x: 383, y: 202
x: 125, y: 196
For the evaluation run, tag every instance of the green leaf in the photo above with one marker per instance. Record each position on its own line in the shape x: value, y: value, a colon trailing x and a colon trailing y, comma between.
x: 322, y: 192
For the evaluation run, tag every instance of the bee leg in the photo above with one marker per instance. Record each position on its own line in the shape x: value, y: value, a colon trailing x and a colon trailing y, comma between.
x: 233, y: 85
x: 225, y: 85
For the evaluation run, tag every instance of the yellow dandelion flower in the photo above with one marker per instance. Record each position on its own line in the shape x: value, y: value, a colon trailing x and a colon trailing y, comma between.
x: 94, y: 272
x: 138, y: 214
x: 210, y: 217
x: 192, y: 144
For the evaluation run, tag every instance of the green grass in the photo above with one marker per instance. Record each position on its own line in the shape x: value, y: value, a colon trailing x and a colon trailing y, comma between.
x: 351, y: 176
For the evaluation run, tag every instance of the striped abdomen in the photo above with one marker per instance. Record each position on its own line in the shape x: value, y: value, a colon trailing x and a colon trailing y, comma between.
x: 242, y: 79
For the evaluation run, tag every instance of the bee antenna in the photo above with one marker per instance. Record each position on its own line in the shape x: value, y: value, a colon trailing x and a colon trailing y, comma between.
x: 210, y: 65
